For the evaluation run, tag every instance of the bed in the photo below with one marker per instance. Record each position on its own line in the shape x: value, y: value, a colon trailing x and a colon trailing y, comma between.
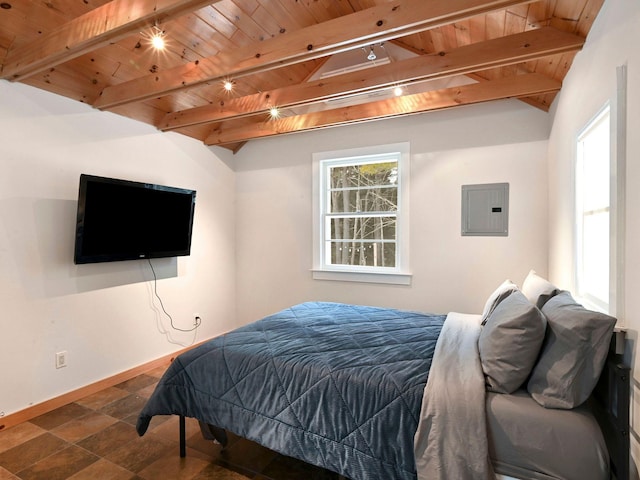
x: 379, y: 393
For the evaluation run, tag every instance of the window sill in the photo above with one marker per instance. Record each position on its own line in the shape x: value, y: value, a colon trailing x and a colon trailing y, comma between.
x: 363, y: 277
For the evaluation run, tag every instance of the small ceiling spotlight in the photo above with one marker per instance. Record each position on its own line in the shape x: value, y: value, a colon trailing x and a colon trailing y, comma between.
x: 157, y: 38
x: 398, y: 91
x: 274, y: 112
x: 228, y: 85
x: 372, y: 55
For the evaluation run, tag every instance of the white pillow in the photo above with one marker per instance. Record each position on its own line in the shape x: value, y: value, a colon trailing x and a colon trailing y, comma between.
x: 537, y: 289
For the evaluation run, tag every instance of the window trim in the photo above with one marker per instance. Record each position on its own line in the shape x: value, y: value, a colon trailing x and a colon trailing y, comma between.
x: 588, y: 300
x: 399, y: 275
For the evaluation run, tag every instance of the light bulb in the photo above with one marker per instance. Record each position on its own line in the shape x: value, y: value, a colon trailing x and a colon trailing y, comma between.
x: 228, y: 86
x: 157, y: 42
x: 157, y: 39
x: 372, y: 55
x: 398, y: 91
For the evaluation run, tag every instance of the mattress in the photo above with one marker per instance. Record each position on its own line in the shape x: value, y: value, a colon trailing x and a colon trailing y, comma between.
x: 529, y: 441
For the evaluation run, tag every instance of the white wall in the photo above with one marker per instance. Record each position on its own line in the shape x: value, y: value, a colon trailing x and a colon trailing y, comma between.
x: 103, y: 315
x: 591, y: 82
x: 499, y: 142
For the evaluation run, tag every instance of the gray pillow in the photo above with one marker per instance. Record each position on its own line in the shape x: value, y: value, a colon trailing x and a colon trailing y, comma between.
x: 573, y: 354
x: 505, y: 289
x: 510, y: 343
x: 538, y: 290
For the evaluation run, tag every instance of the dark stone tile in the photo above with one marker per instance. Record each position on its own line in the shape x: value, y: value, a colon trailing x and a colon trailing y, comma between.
x: 109, y: 439
x: 175, y: 468
x: 26, y: 454
x: 147, y: 391
x: 103, y: 470
x: 59, y: 416
x: 142, y: 452
x: 137, y: 383
x: 60, y: 465
x: 7, y: 475
x: 82, y: 427
x: 169, y: 427
x: 125, y: 407
x: 14, y: 436
x: 103, y: 398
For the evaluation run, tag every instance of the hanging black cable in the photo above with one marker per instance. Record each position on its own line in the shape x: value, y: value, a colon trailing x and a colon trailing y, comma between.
x: 155, y: 291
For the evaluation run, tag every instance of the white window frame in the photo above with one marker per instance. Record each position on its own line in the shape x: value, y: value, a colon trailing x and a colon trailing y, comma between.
x: 617, y: 201
x: 321, y: 269
x: 586, y: 296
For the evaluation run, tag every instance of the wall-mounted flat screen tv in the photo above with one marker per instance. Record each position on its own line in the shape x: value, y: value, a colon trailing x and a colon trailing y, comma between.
x: 126, y: 220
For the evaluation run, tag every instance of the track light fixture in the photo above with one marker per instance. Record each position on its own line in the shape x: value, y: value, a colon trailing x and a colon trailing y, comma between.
x: 372, y: 55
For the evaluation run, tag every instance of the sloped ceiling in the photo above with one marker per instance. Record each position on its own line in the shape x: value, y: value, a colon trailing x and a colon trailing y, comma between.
x: 307, y: 58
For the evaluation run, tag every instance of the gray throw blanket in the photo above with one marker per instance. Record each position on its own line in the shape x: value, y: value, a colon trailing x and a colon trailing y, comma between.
x: 451, y: 440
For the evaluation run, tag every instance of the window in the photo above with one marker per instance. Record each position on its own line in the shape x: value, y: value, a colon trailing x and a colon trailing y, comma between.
x: 361, y: 214
x: 593, y: 201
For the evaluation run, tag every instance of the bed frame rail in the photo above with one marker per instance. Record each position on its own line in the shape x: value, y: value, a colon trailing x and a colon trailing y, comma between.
x: 611, y: 407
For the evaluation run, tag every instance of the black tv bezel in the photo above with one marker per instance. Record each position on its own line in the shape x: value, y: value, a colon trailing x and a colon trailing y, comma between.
x: 79, y: 258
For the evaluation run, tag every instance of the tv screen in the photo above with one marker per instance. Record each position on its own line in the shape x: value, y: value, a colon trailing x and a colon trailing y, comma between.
x: 125, y: 220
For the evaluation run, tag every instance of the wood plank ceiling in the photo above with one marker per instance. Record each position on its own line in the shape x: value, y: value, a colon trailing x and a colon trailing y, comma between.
x: 283, y: 54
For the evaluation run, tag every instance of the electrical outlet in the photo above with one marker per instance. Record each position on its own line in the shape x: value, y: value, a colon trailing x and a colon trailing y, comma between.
x: 61, y: 359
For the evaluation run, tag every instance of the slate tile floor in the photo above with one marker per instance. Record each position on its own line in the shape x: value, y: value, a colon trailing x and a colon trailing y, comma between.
x: 95, y: 439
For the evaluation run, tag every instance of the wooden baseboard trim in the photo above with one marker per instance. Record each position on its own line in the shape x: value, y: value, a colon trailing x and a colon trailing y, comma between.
x: 70, y: 397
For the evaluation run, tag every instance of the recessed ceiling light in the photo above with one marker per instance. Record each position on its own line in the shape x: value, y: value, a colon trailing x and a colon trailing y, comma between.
x: 228, y: 85
x: 274, y: 112
x: 398, y: 91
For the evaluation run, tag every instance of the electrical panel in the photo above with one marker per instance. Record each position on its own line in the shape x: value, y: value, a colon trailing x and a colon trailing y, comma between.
x: 485, y: 210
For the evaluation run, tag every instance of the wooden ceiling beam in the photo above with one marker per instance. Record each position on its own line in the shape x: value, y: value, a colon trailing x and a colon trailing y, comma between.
x: 99, y: 27
x: 509, y: 87
x: 373, y: 25
x: 498, y: 52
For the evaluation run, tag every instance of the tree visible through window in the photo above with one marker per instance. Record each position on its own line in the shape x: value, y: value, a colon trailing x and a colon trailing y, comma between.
x: 361, y: 213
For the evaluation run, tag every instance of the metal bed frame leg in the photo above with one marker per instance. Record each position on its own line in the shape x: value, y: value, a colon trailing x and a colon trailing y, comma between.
x: 183, y: 441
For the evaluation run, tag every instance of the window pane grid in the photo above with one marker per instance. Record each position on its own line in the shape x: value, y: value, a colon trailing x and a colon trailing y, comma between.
x: 361, y: 210
x: 363, y: 253
x: 361, y: 214
x: 364, y: 187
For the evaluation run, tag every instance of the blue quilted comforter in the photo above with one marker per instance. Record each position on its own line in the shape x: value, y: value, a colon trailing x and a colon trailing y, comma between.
x: 339, y: 386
